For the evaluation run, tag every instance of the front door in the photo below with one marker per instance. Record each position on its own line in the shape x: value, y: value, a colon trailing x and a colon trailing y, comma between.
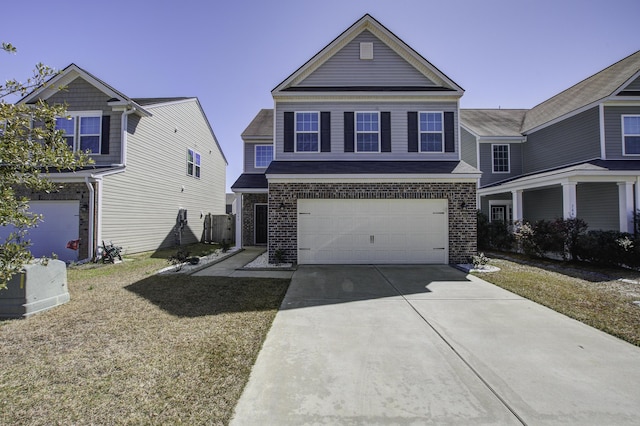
x: 260, y: 224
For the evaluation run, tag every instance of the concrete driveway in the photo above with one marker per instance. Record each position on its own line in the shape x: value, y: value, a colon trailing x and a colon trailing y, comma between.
x: 431, y: 345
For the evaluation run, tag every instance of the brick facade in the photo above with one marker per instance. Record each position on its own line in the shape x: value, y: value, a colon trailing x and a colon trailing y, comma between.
x: 248, y: 212
x: 283, y: 201
x: 68, y: 191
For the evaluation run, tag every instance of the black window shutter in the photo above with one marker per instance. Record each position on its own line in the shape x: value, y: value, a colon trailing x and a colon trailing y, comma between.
x: 449, y: 134
x: 106, y: 126
x: 385, y: 132
x: 288, y: 132
x: 412, y: 131
x: 325, y: 132
x: 348, y: 132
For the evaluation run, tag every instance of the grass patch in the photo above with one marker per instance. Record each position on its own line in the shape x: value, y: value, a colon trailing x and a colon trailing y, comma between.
x: 132, y: 347
x: 595, y: 296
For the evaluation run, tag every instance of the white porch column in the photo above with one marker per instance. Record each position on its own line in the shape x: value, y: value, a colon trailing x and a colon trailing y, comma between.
x: 625, y: 203
x: 239, y: 220
x: 569, y: 203
x: 516, y: 208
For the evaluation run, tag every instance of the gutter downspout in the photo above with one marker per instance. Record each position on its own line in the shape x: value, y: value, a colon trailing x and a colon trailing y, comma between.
x: 123, y: 132
x: 92, y: 248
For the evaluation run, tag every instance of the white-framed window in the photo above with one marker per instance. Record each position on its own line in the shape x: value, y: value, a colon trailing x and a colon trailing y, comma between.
x: 193, y: 163
x: 263, y: 156
x: 82, y: 130
x: 631, y: 134
x: 307, y: 131
x: 367, y: 131
x: 500, y: 210
x: 431, y: 128
x: 500, y: 158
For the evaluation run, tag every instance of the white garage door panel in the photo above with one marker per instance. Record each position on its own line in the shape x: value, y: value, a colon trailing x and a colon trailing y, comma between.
x: 372, y: 231
x: 60, y: 224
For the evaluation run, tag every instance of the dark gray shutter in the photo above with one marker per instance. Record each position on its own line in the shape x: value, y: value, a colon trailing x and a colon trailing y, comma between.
x: 325, y: 132
x: 106, y: 126
x: 449, y: 134
x: 348, y: 132
x: 385, y: 131
x: 289, y: 133
x: 412, y: 127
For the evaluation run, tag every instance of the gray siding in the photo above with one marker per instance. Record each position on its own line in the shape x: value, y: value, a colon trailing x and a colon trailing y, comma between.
x: 569, y: 141
x: 82, y: 96
x: 613, y: 130
x: 542, y: 204
x: 399, y: 145
x: 250, y: 156
x: 346, y: 68
x: 597, y: 204
x: 140, y: 206
x: 486, y: 164
x: 468, y: 148
x: 634, y: 85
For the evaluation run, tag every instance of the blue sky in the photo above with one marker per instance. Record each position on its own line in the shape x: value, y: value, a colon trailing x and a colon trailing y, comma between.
x: 231, y: 54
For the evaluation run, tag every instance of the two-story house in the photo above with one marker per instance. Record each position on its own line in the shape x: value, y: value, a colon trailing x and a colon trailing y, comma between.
x: 366, y: 161
x: 576, y: 154
x: 158, y: 170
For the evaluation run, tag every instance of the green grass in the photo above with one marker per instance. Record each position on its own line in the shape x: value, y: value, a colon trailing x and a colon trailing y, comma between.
x: 592, y: 295
x: 132, y: 347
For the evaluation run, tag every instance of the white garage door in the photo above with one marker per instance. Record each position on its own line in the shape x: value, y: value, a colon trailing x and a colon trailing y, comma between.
x: 372, y: 231
x: 60, y: 224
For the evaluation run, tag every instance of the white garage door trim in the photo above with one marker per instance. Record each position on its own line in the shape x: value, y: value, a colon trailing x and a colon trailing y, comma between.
x: 61, y: 223
x: 356, y: 231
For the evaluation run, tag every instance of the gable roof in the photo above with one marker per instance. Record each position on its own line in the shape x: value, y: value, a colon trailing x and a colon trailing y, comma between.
x: 493, y: 122
x: 70, y: 73
x: 368, y: 23
x: 261, y: 127
x: 589, y: 91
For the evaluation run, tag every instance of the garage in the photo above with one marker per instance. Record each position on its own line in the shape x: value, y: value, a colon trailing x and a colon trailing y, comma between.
x: 364, y: 231
x: 60, y: 224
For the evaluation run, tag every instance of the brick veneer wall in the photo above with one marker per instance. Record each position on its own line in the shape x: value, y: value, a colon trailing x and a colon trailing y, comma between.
x: 283, y: 222
x: 248, y: 212
x: 68, y: 191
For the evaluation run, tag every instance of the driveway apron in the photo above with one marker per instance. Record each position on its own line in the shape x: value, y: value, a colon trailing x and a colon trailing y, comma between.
x: 431, y: 345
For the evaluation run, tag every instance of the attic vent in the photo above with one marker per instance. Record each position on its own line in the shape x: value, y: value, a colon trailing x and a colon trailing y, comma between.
x: 366, y: 50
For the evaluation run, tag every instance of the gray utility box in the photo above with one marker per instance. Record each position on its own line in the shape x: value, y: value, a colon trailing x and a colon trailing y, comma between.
x: 37, y: 288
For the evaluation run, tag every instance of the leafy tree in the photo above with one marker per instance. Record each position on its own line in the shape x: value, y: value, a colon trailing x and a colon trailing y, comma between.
x: 30, y: 146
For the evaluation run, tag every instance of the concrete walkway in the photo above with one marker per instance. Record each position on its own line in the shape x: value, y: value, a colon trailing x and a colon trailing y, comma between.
x: 431, y: 345
x: 230, y: 266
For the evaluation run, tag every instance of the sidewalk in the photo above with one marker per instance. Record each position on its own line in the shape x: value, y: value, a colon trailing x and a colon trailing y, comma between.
x: 231, y: 266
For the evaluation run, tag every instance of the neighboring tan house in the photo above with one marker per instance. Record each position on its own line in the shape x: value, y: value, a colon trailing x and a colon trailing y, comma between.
x: 158, y: 170
x: 576, y: 154
x: 366, y: 160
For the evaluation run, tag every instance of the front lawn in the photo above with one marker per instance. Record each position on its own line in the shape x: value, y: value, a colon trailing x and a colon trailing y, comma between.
x: 132, y: 347
x: 599, y: 297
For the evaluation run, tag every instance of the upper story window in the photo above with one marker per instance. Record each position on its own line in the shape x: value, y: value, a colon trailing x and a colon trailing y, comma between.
x: 631, y: 134
x: 367, y: 132
x: 500, y: 158
x: 431, y: 132
x: 82, y: 131
x: 263, y: 155
x: 193, y: 163
x: 307, y: 132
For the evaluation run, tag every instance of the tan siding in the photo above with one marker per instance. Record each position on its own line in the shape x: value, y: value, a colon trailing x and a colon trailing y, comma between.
x: 140, y: 206
x: 399, y: 144
x: 345, y: 68
x: 79, y: 95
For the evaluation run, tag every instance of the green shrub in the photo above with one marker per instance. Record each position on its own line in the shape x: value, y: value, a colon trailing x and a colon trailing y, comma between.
x: 493, y: 235
x: 609, y: 248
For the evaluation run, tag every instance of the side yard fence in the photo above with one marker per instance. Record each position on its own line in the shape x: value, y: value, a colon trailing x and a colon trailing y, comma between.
x: 218, y: 228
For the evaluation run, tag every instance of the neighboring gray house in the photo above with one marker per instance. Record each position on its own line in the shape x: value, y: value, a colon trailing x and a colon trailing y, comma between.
x: 576, y: 154
x: 366, y: 160
x: 158, y: 170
